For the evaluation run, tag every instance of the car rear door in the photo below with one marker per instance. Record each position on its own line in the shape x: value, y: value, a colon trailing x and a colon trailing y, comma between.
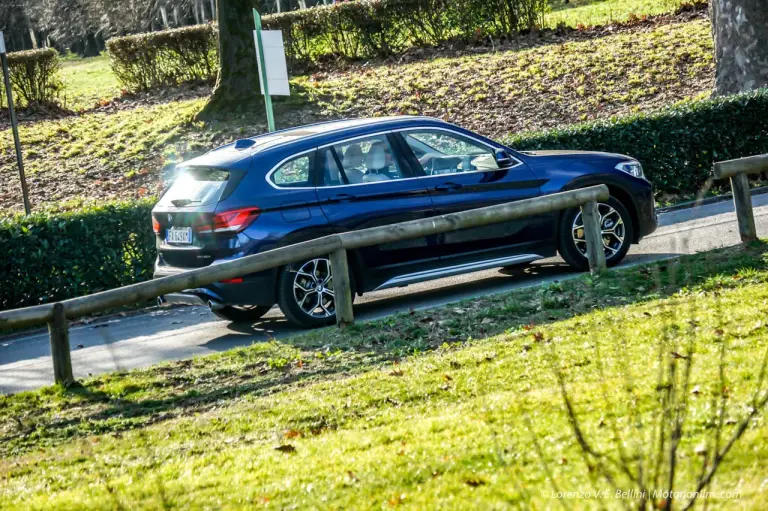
x: 460, y: 172
x: 363, y: 182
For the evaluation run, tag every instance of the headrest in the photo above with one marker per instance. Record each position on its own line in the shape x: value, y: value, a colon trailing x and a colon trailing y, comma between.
x: 376, y: 159
x: 353, y: 157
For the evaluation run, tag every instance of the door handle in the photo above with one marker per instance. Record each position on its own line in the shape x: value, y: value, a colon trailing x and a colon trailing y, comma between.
x: 447, y: 187
x: 341, y: 197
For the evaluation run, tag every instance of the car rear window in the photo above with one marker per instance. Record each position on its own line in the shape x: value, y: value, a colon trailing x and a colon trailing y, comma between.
x: 196, y: 186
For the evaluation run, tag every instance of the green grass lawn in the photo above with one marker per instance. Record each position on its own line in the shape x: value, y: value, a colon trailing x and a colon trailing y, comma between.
x: 433, y: 409
x: 603, y: 12
x: 87, y: 82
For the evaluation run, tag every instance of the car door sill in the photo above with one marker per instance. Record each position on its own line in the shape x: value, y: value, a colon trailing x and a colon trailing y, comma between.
x: 447, y: 271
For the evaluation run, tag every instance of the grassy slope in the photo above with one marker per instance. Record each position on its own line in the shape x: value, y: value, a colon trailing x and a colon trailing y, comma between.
x: 539, y: 88
x: 87, y: 82
x: 120, y: 154
x: 603, y: 12
x: 448, y: 425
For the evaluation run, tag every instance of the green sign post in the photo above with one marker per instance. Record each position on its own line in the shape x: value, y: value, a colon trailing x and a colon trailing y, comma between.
x: 263, y: 71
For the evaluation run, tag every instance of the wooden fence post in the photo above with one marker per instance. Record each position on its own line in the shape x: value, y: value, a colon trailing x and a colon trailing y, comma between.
x: 59, y: 332
x: 342, y: 288
x: 742, y: 201
x: 594, y: 237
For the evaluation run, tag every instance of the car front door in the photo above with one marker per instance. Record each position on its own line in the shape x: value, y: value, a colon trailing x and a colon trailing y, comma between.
x: 461, y: 173
x: 364, y: 182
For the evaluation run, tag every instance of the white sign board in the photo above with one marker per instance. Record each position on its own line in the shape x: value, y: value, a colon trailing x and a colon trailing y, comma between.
x: 274, y: 59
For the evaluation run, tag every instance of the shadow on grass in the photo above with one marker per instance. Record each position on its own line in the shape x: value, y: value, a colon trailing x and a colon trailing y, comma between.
x: 128, y: 400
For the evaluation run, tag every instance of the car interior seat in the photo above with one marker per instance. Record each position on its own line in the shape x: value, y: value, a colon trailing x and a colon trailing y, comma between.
x: 352, y: 161
x: 376, y: 163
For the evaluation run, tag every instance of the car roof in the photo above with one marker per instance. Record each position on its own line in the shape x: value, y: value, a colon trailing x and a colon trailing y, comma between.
x: 308, y: 136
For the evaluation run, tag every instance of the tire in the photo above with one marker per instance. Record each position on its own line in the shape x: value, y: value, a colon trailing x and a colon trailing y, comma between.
x: 243, y: 313
x: 297, y: 291
x: 617, y: 235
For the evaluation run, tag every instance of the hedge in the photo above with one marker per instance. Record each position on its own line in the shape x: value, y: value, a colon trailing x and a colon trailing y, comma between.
x: 34, y: 77
x: 385, y: 27
x: 352, y: 30
x: 49, y: 257
x: 677, y: 145
x: 169, y: 57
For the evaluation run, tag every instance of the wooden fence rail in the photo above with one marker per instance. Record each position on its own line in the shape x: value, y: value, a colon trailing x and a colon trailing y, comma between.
x: 737, y: 170
x: 335, y: 245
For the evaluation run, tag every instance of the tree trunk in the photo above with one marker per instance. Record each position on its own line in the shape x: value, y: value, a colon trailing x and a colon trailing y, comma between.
x: 164, y: 15
x: 740, y: 30
x: 237, y: 85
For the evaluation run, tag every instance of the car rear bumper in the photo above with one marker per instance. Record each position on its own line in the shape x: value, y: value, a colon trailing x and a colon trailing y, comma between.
x: 256, y: 289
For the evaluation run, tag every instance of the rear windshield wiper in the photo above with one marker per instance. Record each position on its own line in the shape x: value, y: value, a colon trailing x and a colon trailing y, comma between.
x: 180, y: 203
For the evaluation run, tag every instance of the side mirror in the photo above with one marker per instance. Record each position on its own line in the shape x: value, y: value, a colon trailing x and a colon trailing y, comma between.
x: 503, y: 159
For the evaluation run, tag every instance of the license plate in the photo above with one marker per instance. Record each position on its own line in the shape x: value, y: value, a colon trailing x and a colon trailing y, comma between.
x: 179, y: 235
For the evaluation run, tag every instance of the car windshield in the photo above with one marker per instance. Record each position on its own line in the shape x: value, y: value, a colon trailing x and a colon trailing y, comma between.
x: 196, y: 186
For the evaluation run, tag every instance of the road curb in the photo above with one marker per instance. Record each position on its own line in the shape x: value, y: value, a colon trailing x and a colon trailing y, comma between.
x: 708, y: 200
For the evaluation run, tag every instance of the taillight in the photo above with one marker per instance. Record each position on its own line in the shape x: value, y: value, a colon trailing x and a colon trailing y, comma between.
x: 155, y: 225
x: 231, y: 221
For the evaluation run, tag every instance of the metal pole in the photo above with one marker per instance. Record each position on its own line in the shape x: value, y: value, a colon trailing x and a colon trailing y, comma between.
x: 14, y: 123
x: 263, y: 68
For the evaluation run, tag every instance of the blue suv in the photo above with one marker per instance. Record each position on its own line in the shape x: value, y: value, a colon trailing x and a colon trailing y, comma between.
x: 289, y: 186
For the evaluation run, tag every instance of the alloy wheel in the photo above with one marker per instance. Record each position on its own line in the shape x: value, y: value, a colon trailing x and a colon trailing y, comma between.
x: 612, y: 228
x: 313, y: 288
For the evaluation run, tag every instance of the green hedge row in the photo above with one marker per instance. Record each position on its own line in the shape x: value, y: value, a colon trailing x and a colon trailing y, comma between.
x: 34, y: 77
x: 45, y: 257
x: 385, y: 27
x: 364, y: 28
x: 169, y: 57
x: 677, y: 145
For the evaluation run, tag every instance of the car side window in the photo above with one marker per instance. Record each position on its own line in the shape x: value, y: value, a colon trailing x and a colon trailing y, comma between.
x: 439, y: 152
x: 330, y: 173
x: 293, y: 173
x: 368, y: 160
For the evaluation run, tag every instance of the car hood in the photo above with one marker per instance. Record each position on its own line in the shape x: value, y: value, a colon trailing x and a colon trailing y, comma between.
x: 582, y: 155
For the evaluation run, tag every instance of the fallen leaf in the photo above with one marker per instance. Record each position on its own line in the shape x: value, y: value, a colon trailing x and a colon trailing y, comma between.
x: 291, y: 433
x: 474, y: 482
x: 287, y: 448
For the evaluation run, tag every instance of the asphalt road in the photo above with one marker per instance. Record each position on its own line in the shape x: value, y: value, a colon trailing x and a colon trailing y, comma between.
x: 156, y: 335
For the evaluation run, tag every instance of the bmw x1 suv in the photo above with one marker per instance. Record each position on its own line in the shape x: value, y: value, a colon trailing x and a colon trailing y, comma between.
x: 289, y: 186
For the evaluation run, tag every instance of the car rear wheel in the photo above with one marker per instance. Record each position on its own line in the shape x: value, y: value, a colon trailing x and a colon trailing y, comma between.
x: 305, y: 293
x: 615, y: 224
x: 242, y: 313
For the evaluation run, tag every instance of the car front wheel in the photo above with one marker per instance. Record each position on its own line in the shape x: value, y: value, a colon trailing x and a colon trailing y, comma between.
x: 617, y: 234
